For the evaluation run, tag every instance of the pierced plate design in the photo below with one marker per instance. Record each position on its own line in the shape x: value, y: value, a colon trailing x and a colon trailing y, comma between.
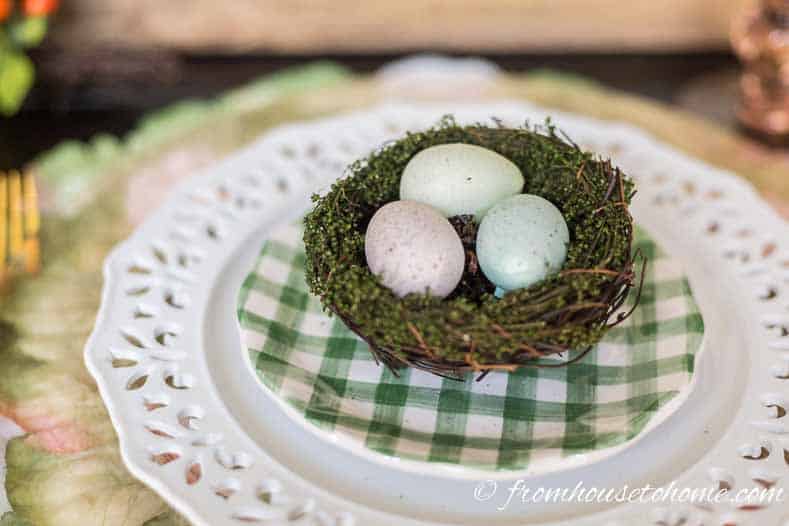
x: 194, y: 424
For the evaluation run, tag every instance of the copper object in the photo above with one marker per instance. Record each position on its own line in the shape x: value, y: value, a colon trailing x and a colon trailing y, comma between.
x: 19, y: 226
x: 761, y: 40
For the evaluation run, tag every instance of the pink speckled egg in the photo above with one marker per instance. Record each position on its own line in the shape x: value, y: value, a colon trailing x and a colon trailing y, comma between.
x: 413, y: 248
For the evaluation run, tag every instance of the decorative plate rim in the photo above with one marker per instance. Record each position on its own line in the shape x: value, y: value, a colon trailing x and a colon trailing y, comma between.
x: 207, y: 457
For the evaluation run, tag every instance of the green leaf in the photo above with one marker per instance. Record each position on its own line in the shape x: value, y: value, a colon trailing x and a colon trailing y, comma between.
x: 5, y: 40
x: 11, y: 519
x: 29, y: 31
x: 16, y: 78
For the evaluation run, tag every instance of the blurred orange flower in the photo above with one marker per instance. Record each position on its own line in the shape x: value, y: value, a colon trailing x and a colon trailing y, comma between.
x: 39, y: 7
x: 6, y: 6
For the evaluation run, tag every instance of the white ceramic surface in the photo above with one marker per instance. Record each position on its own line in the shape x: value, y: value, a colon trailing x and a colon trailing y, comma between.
x: 196, y: 426
x: 8, y: 430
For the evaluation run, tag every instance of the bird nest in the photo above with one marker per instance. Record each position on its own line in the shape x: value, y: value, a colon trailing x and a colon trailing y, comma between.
x: 471, y: 330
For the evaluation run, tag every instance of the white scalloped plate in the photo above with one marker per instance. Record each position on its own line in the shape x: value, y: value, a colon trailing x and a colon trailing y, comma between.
x: 195, y: 425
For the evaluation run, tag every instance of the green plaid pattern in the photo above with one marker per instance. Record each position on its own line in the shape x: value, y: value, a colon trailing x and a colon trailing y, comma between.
x: 506, y: 421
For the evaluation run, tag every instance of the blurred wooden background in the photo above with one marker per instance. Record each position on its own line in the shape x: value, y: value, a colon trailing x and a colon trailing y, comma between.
x: 108, y: 62
x: 345, y: 26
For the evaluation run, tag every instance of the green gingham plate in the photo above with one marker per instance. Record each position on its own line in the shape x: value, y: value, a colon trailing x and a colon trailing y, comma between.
x: 507, y: 420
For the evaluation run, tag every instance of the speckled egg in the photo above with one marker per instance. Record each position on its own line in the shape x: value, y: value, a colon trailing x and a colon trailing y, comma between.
x: 460, y: 179
x: 411, y: 247
x: 521, y: 240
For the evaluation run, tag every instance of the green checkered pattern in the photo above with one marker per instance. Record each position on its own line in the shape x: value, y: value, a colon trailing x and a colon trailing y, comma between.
x: 506, y: 421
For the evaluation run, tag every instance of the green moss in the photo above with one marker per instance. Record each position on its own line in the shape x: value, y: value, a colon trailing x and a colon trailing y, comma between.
x: 568, y: 310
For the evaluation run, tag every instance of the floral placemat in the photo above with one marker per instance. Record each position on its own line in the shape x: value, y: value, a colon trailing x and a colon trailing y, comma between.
x: 66, y: 469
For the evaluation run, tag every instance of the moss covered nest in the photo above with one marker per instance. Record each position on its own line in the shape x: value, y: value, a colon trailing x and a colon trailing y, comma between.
x: 472, y: 330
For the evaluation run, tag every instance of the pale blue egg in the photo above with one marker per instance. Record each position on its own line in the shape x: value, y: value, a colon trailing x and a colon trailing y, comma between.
x: 460, y: 179
x: 521, y: 240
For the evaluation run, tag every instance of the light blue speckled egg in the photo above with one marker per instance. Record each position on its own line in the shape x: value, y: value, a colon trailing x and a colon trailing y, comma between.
x: 521, y: 240
x: 460, y: 179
